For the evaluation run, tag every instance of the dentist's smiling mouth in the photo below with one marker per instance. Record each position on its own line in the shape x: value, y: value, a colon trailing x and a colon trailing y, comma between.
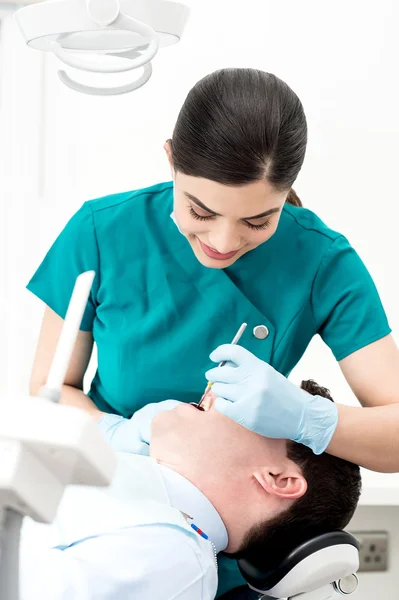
x: 214, y: 254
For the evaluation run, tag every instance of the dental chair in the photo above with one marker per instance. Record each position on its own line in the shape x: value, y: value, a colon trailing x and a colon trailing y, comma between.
x: 319, y: 569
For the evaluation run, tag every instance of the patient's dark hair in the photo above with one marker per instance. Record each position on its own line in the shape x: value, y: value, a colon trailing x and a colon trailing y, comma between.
x: 334, y: 487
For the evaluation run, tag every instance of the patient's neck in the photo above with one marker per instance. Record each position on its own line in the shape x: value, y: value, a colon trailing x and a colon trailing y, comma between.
x: 236, y: 498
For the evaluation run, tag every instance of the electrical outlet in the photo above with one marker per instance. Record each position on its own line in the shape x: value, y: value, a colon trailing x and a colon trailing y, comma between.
x: 373, y: 552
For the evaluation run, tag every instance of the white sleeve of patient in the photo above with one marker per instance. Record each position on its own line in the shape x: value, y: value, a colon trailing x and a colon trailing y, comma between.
x: 145, y: 562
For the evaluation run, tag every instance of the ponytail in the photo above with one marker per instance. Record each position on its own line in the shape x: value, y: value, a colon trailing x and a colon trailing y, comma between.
x: 293, y: 199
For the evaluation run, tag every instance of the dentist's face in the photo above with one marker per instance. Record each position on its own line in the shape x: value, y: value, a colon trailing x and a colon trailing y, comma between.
x: 224, y: 222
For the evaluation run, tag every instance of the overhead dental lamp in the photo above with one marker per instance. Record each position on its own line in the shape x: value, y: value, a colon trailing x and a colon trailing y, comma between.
x: 103, y: 36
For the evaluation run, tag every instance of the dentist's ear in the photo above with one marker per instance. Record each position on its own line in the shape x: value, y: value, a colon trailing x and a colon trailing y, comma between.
x: 284, y: 482
x: 168, y: 149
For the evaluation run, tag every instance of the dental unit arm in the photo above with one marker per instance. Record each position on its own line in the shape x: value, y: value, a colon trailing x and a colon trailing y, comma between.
x: 44, y: 447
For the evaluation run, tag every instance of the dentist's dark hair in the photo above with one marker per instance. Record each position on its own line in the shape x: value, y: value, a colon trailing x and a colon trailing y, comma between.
x: 331, y: 498
x: 238, y: 126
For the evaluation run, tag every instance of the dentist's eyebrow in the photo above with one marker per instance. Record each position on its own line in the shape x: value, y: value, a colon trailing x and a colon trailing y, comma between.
x: 198, y: 202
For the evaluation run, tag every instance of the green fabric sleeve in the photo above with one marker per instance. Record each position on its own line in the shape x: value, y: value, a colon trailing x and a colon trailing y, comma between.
x: 345, y: 302
x: 73, y: 252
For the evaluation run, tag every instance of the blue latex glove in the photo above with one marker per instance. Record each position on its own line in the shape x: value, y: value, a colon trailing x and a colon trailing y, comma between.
x: 134, y: 434
x: 256, y: 396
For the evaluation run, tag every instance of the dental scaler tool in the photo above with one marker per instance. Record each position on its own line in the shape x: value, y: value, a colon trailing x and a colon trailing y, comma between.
x: 236, y: 339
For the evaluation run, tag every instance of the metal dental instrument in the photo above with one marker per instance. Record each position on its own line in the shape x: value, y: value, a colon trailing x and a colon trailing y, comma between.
x: 235, y: 341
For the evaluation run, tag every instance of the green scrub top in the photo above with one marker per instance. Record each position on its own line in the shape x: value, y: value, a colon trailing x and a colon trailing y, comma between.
x: 156, y: 312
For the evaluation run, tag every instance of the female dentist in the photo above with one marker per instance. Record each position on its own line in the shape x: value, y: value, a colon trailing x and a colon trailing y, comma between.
x: 181, y: 265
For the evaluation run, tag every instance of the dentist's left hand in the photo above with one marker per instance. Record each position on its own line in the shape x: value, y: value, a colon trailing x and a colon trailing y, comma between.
x: 134, y: 434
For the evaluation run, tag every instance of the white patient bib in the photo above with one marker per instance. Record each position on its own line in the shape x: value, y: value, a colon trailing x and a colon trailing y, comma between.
x: 125, y: 541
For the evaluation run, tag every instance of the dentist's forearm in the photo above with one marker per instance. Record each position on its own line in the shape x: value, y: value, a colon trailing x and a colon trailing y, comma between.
x: 74, y: 397
x: 368, y: 437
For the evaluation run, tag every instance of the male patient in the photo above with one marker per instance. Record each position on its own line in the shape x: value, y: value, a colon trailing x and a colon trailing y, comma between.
x: 209, y: 485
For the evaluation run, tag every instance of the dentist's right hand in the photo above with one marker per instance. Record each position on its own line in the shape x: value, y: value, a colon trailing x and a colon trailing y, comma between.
x: 255, y: 395
x: 134, y: 434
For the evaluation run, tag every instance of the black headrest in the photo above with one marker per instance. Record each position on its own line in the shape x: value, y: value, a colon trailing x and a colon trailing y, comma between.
x: 266, y: 579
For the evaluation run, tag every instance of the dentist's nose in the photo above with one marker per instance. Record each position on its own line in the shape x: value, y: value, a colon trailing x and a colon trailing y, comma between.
x: 225, y: 240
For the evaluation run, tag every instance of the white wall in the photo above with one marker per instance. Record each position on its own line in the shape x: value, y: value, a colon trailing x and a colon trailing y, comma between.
x: 340, y: 57
x: 22, y: 176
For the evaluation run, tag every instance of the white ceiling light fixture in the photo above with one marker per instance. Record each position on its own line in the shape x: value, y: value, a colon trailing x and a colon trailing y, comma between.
x: 103, y: 36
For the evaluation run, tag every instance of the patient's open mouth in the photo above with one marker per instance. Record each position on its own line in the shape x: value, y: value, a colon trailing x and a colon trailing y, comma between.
x: 197, y: 406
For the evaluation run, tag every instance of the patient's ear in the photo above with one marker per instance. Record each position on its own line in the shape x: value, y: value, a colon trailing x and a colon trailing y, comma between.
x: 282, y: 481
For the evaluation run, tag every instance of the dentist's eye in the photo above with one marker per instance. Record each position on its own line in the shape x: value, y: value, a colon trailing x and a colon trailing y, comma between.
x: 258, y: 227
x: 199, y: 217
